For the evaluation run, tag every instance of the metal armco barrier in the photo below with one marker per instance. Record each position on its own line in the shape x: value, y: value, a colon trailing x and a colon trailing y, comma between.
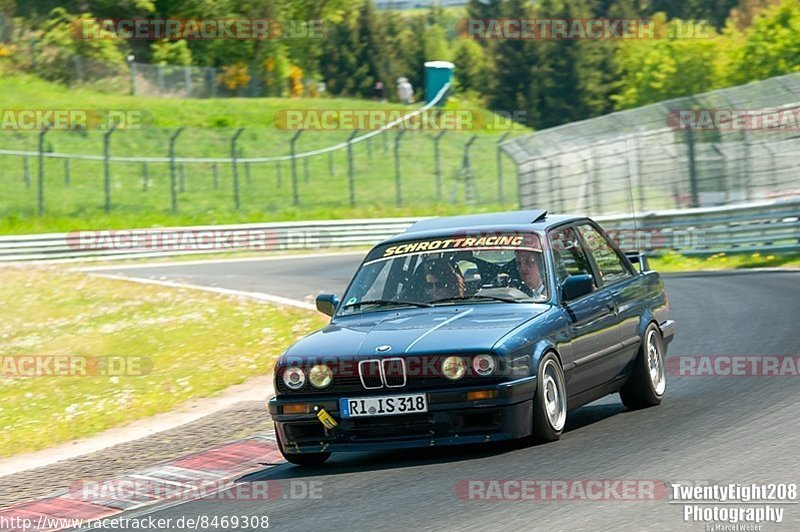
x: 772, y: 226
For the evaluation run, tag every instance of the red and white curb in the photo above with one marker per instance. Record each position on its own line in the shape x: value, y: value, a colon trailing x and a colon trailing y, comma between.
x: 202, y: 473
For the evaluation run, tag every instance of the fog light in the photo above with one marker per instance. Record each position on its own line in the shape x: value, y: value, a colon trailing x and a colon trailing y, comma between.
x: 296, y: 409
x: 481, y: 394
x: 454, y: 368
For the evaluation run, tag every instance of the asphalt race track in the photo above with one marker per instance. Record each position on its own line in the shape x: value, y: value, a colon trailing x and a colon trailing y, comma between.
x: 709, y: 429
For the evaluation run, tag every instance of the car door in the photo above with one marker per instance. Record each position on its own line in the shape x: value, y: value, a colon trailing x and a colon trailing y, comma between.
x: 618, y: 277
x: 593, y: 335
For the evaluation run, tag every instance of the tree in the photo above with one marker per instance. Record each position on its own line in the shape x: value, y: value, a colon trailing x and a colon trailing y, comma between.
x: 171, y: 52
x: 668, y: 67
x: 472, y: 70
x: 770, y: 47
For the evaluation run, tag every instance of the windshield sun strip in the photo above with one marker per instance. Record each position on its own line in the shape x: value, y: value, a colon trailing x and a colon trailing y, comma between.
x: 423, y: 252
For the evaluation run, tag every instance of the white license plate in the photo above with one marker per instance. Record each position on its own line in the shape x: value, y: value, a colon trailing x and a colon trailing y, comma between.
x: 389, y: 405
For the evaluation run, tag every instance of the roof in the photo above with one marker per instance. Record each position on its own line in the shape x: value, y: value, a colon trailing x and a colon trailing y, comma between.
x: 527, y: 220
x: 477, y: 220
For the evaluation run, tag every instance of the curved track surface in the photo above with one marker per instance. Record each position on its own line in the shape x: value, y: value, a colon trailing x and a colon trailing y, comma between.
x: 709, y: 429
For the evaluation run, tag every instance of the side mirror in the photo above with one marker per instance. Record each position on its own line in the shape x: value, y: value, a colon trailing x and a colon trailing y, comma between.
x: 327, y: 303
x: 576, y: 286
x: 640, y: 259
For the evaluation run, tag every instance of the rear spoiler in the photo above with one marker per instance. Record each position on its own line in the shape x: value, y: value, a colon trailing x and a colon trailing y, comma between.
x: 639, y: 257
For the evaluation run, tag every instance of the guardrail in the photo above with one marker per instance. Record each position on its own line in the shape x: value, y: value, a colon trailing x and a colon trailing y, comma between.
x: 772, y: 226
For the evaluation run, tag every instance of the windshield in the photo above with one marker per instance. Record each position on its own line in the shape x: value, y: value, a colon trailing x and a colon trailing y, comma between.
x: 448, y: 270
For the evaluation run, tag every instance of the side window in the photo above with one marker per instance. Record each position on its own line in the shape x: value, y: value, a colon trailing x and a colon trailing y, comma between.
x: 568, y: 254
x: 611, y: 265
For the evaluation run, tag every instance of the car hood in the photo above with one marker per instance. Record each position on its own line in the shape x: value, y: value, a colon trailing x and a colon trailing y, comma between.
x: 446, y: 329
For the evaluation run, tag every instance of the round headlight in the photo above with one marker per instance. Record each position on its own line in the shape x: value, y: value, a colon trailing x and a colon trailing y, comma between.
x: 483, y: 365
x: 320, y: 376
x: 454, y: 368
x: 294, y: 378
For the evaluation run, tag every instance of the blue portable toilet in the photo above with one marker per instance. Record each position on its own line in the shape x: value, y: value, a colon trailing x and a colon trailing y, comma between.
x: 437, y: 75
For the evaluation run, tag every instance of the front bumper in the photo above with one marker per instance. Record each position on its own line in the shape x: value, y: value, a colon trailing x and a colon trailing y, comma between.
x: 668, y: 330
x: 450, y: 420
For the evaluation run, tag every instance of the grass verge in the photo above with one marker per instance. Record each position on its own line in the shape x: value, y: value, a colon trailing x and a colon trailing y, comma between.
x: 190, y: 344
x: 674, y: 262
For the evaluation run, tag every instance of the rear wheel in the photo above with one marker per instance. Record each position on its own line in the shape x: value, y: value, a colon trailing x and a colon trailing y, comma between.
x: 550, y: 401
x: 302, y: 459
x: 647, y: 383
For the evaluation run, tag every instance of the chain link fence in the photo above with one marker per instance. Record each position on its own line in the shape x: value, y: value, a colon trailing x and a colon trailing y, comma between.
x: 218, y: 170
x: 668, y: 155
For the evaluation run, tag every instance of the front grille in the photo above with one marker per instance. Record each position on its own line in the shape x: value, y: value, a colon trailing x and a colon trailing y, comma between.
x: 394, y: 372
x: 370, y: 373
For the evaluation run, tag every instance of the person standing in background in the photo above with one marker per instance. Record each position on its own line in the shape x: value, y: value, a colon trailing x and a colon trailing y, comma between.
x: 405, y: 91
x: 379, y: 92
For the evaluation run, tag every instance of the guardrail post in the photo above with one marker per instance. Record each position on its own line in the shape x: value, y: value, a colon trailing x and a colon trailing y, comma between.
x: 26, y: 168
x: 145, y: 177
x: 397, y: 183
x: 67, y: 176
x: 437, y: 164
x: 279, y: 167
x: 215, y: 172
x: 692, y: 168
x: 351, y: 171
x: 40, y: 194
x: 500, y: 167
x: 107, y: 164
x: 173, y: 191
x: 233, y: 167
x: 295, y: 193
x: 331, y: 170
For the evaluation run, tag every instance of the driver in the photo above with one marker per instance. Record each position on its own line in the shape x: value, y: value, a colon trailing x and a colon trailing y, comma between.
x: 530, y: 274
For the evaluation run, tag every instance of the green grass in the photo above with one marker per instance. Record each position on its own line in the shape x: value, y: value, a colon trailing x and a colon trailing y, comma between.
x: 195, y: 343
x: 265, y: 189
x: 674, y: 262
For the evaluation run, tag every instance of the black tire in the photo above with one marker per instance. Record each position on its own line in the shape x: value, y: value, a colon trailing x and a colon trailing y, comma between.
x: 302, y: 459
x: 550, y: 401
x: 648, y: 382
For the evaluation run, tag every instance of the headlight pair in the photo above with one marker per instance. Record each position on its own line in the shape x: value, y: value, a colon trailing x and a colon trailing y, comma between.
x: 455, y: 367
x: 320, y: 376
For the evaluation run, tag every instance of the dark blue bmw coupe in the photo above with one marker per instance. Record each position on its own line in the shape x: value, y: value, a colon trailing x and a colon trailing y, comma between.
x: 474, y: 329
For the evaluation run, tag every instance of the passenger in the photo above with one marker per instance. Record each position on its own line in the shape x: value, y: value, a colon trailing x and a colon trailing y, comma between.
x: 442, y: 280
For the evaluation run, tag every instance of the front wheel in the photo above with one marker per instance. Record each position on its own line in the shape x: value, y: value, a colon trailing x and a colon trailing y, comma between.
x: 646, y: 385
x: 301, y: 459
x: 550, y: 401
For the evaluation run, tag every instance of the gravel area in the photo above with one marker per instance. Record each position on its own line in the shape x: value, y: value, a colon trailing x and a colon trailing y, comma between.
x: 244, y: 419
